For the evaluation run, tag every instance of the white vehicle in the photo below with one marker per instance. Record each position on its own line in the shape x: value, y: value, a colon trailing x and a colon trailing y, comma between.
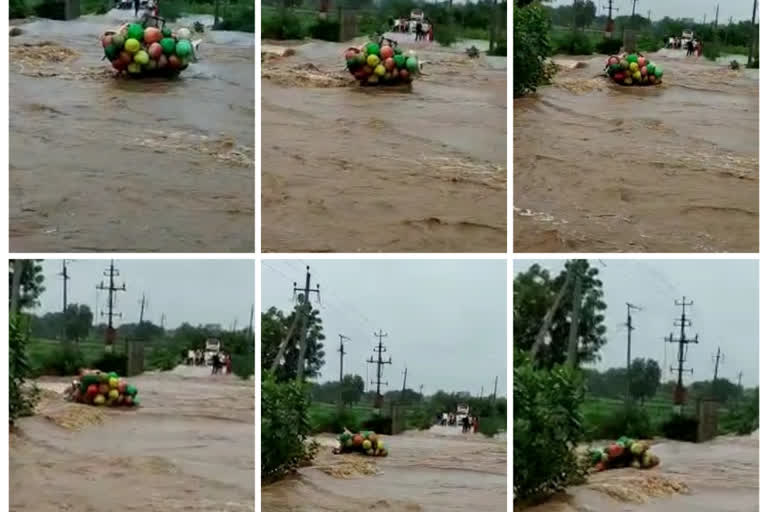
x: 687, y: 36
x: 462, y: 411
x: 212, y: 347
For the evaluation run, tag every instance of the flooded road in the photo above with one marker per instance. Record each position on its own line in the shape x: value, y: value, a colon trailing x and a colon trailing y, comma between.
x: 717, y: 476
x: 100, y: 164
x: 346, y: 168
x: 439, y: 470
x: 604, y: 168
x: 189, y: 447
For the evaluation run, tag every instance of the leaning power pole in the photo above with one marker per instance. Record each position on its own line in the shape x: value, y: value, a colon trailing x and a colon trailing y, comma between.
x: 719, y: 357
x: 630, y: 328
x: 495, y: 385
x: 405, y: 376
x: 379, y: 362
x: 754, y: 34
x: 142, y: 305
x: 341, y: 356
x: 112, y: 290
x: 65, y: 276
x: 307, y: 306
x: 682, y: 350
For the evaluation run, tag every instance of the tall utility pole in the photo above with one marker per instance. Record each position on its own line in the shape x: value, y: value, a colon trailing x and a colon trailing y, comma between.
x: 682, y: 350
x: 754, y: 33
x: 65, y: 276
x: 495, y: 384
x: 719, y: 357
x: 112, y: 289
x: 634, y: 4
x: 573, y: 335
x: 405, y: 376
x: 630, y: 328
x: 482, y: 391
x: 250, y: 323
x: 740, y: 375
x: 609, y: 24
x: 379, y: 362
x: 717, y: 15
x: 162, y: 321
x: 307, y: 307
x: 341, y: 356
x: 18, y: 269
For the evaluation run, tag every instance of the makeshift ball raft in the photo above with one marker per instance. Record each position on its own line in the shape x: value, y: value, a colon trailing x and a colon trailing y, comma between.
x: 625, y: 452
x: 95, y: 387
x: 633, y: 69
x: 365, y: 442
x: 382, y: 63
x: 140, y: 50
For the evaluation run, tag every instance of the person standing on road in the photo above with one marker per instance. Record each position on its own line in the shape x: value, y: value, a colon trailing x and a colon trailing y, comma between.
x: 419, y: 33
x: 229, y: 364
x: 136, y: 7
x: 476, y: 425
x: 700, y: 48
x: 465, y: 424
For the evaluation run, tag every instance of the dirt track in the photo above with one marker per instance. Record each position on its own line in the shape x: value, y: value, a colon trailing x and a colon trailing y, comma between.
x: 189, y: 447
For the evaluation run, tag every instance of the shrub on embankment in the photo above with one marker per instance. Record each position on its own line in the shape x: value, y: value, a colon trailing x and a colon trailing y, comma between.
x: 21, y: 399
x: 547, y: 427
x: 531, y: 48
x: 285, y: 426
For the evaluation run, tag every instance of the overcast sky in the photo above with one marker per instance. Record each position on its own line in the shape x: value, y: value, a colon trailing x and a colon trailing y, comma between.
x: 696, y: 9
x: 194, y: 291
x: 725, y: 312
x: 446, y: 320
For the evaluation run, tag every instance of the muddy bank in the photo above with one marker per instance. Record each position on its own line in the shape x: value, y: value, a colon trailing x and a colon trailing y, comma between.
x: 425, y: 471
x: 189, y: 447
x: 718, y: 476
x: 100, y: 164
x: 352, y: 169
x: 605, y: 168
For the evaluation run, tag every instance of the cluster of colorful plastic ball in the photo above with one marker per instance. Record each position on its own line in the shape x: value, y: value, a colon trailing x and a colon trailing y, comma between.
x: 381, y: 64
x: 633, y: 69
x: 141, y: 51
x: 366, y: 442
x: 100, y: 388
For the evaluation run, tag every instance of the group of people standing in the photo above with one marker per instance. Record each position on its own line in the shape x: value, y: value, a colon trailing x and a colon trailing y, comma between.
x: 691, y: 46
x: 423, y: 30
x: 468, y: 423
x: 221, y: 362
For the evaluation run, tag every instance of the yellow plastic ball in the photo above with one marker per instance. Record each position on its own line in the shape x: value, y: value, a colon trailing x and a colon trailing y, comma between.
x: 132, y: 45
x: 633, y: 66
x: 373, y: 60
x: 380, y: 70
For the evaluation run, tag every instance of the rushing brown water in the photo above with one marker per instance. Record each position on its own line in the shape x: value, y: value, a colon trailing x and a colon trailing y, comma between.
x: 346, y: 168
x: 604, y: 168
x: 99, y: 164
x: 718, y: 476
x: 425, y: 471
x: 189, y: 447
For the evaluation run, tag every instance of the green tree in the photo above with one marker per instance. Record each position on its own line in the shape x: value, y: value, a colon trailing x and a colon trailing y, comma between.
x: 78, y: 319
x: 31, y: 283
x: 275, y: 326
x: 352, y: 387
x: 644, y: 379
x: 532, y: 47
x: 584, y: 13
x: 21, y: 400
x: 535, y: 290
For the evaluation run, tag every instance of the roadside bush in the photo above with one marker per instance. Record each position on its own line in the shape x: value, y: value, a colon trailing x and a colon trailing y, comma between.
x: 447, y: 35
x: 531, y: 48
x: 500, y: 50
x: 649, y: 44
x: 547, y: 426
x: 282, y: 26
x: 573, y: 43
x: 681, y: 428
x: 162, y: 358
x: 64, y: 359
x: 326, y: 30
x: 239, y: 18
x: 492, y: 425
x: 284, y: 426
x: 755, y: 63
x: 171, y: 10
x: 712, y: 51
x: 243, y: 365
x: 609, y: 46
x: 420, y: 418
x: 111, y: 362
x: 379, y: 424
x: 21, y: 399
x: 17, y: 9
x: 743, y: 417
x: 50, y: 9
x: 612, y: 423
x: 334, y: 421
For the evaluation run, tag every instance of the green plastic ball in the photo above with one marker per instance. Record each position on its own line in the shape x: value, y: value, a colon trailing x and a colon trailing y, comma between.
x: 118, y: 40
x: 372, y: 49
x: 400, y: 61
x: 632, y: 58
x: 183, y: 48
x: 111, y: 51
x: 168, y: 44
x: 412, y: 64
x: 659, y: 72
x: 135, y: 31
x: 167, y: 32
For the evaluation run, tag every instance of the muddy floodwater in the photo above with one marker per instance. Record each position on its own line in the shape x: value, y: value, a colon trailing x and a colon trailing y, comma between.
x: 438, y: 470
x: 189, y: 447
x: 105, y: 164
x: 346, y: 168
x: 717, y: 476
x: 604, y: 168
